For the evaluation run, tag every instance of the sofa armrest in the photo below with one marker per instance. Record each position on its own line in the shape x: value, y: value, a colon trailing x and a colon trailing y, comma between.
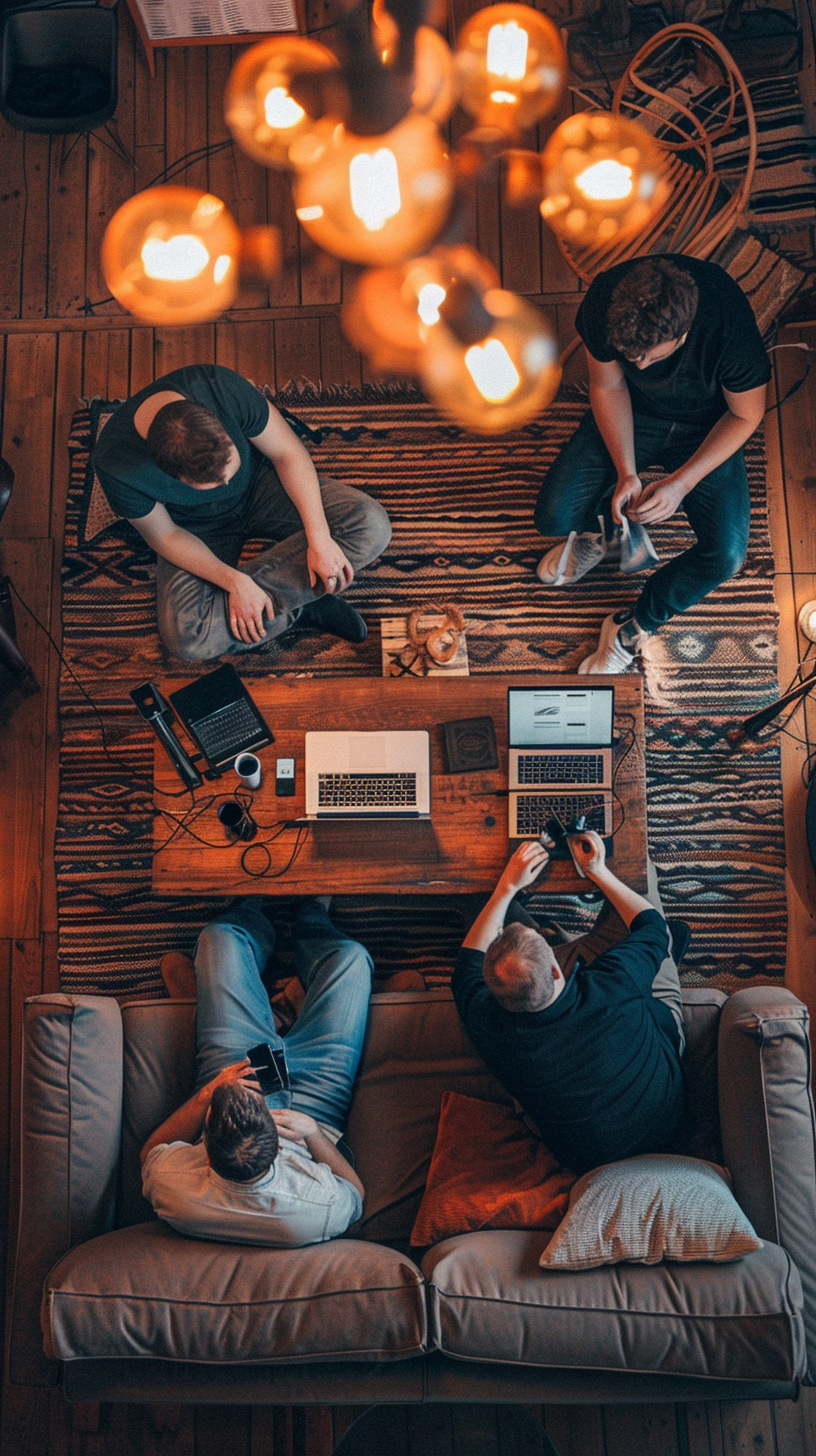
x: 768, y: 1129
x: 71, y: 1117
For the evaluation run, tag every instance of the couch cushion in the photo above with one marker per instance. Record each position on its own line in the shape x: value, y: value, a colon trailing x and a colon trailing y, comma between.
x: 490, y: 1301
x: 147, y: 1292
x: 416, y: 1048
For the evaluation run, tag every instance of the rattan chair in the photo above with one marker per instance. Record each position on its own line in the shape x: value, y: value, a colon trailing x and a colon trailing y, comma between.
x: 705, y: 199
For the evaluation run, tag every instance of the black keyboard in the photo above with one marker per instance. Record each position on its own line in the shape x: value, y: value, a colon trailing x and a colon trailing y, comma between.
x: 224, y: 731
x: 533, y: 811
x: 560, y: 768
x: 366, y: 791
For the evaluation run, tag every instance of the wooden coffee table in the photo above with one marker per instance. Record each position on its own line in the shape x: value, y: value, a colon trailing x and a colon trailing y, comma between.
x: 462, y: 848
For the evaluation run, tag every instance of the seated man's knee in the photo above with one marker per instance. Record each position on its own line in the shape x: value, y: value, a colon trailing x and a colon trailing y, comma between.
x: 552, y: 516
x: 726, y: 560
x: 377, y: 526
x: 187, y: 647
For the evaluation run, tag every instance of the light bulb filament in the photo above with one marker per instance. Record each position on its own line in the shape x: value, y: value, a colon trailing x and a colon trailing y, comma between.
x: 176, y: 259
x: 374, y: 186
x: 507, y: 50
x: 492, y: 370
x: 429, y: 299
x: 281, y: 110
x: 606, y: 181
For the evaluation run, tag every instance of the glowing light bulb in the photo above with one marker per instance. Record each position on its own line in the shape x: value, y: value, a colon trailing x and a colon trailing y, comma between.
x: 603, y: 178
x: 507, y: 50
x: 260, y: 110
x: 169, y: 255
x: 492, y: 370
x: 380, y: 199
x: 281, y: 110
x: 518, y: 48
x: 374, y: 188
x: 493, y: 383
x: 605, y: 181
x: 174, y: 259
x: 429, y: 299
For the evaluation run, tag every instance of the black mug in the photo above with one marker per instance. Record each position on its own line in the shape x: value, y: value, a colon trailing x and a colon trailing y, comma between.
x: 237, y: 821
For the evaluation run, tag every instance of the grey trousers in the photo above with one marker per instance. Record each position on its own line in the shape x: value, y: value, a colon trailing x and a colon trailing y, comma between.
x: 193, y: 613
x: 610, y: 930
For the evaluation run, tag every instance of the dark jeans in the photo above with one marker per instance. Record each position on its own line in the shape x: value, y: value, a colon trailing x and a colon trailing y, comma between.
x: 580, y: 482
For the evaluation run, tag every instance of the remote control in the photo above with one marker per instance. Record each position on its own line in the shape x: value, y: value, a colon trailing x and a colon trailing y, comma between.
x: 285, y: 777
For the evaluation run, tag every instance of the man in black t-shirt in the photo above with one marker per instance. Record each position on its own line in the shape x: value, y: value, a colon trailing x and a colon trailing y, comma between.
x: 588, y: 1037
x: 200, y: 462
x: 677, y: 377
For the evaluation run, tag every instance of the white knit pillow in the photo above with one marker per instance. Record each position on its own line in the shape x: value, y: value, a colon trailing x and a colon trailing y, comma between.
x: 646, y: 1209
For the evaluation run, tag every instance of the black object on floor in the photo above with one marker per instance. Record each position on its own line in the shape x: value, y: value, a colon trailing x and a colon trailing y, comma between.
x: 333, y: 615
x: 681, y: 939
x: 59, y: 69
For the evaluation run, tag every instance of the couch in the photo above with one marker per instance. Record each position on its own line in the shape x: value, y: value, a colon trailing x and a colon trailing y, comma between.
x: 121, y: 1308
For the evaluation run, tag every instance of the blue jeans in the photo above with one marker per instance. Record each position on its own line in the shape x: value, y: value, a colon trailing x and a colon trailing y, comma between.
x: 323, y: 1048
x: 580, y: 482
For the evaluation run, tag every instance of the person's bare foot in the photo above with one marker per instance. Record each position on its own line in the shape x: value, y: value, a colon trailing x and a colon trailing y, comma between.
x: 178, y: 975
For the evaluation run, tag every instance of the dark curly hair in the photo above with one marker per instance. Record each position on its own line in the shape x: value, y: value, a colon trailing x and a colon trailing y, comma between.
x: 189, y: 441
x: 654, y: 302
x: 240, y: 1136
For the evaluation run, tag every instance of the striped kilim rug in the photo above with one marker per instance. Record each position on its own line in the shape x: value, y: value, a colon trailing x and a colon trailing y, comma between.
x: 462, y: 512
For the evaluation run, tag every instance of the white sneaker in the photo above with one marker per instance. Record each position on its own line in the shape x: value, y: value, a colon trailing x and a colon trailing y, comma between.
x: 573, y: 558
x: 610, y: 655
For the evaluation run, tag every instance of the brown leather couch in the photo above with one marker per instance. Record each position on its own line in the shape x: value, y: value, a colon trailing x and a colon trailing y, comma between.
x: 124, y: 1308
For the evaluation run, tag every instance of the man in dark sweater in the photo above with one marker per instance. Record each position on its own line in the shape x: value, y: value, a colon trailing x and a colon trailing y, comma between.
x: 588, y: 1037
x: 677, y: 380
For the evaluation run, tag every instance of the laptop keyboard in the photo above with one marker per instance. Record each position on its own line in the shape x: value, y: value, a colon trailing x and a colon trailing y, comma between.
x: 366, y: 791
x: 560, y: 768
x: 533, y: 811
x: 223, y: 731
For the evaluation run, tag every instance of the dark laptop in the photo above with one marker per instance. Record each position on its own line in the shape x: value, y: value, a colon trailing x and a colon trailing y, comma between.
x: 221, y: 717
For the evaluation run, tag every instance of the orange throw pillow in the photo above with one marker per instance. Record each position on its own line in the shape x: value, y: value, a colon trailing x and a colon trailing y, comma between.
x: 488, y: 1171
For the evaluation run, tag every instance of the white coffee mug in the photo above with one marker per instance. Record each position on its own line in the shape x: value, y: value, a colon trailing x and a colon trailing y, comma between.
x: 248, y: 769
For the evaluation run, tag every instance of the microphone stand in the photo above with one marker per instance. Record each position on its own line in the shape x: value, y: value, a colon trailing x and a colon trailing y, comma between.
x: 751, y: 726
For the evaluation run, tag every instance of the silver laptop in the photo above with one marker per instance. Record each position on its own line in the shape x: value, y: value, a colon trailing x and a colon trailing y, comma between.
x: 385, y: 775
x: 560, y: 757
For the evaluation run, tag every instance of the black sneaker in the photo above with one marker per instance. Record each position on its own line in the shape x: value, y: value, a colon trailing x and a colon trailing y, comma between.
x: 333, y: 615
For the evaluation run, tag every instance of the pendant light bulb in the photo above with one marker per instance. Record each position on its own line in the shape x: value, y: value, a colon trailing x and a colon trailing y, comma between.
x: 603, y: 178
x: 261, y: 113
x: 373, y: 199
x: 511, y: 65
x: 170, y: 255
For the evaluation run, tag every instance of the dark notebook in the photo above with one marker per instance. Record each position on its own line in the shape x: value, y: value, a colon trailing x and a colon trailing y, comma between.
x: 470, y: 745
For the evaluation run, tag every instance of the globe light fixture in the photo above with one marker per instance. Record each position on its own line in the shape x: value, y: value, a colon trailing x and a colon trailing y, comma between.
x: 807, y: 621
x: 260, y: 110
x: 170, y: 256
x: 603, y: 178
x: 511, y: 65
x: 373, y: 199
x: 491, y: 362
x: 391, y: 310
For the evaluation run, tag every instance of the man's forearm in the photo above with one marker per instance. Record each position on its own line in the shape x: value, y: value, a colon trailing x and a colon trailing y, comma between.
x: 628, y: 903
x: 182, y: 1126
x: 490, y: 923
x: 298, y: 477
x: 612, y: 411
x: 323, y: 1150
x: 722, y: 441
x: 182, y: 548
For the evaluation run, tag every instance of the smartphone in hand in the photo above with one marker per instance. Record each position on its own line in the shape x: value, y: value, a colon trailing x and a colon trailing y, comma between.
x: 269, y: 1065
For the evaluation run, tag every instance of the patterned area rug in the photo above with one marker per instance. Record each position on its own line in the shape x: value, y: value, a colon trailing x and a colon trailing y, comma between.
x: 462, y: 512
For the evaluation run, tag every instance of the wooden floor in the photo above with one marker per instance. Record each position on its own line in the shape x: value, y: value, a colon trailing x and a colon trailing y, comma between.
x: 61, y: 341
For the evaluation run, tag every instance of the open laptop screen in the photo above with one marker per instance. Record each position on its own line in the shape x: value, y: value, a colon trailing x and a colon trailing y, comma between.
x: 548, y: 717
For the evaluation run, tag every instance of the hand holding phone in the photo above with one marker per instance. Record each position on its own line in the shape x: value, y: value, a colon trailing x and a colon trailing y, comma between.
x: 269, y: 1065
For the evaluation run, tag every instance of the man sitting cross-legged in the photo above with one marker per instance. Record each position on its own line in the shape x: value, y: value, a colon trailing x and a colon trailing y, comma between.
x: 231, y: 1164
x: 587, y: 1037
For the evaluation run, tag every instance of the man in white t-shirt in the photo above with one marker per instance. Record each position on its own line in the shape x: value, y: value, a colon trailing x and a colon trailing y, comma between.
x: 230, y: 1163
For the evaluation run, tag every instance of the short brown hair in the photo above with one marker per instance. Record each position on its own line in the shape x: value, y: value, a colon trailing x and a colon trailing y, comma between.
x: 654, y: 302
x: 190, y: 442
x: 240, y: 1135
x: 525, y: 954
